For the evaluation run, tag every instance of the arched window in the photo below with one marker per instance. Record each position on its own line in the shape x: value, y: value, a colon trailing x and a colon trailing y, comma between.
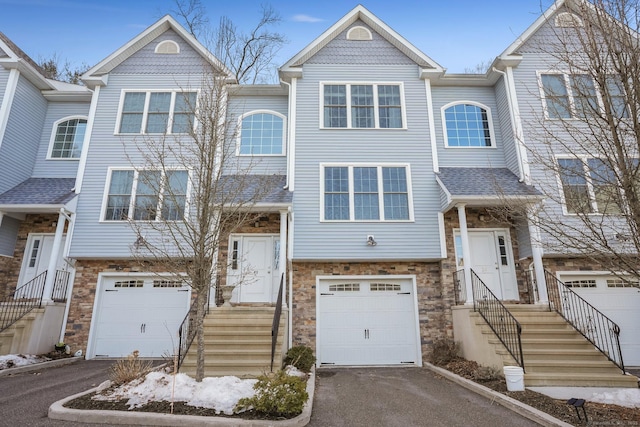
x: 262, y: 133
x: 67, y: 138
x: 467, y: 124
x: 167, y: 47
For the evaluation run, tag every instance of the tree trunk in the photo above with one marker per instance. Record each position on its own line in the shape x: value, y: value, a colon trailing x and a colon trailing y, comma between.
x: 201, y: 300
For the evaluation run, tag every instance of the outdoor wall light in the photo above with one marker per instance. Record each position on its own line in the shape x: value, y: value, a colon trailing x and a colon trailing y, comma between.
x: 371, y: 241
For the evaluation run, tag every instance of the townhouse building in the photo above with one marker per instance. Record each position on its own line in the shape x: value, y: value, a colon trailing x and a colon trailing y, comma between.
x: 379, y: 228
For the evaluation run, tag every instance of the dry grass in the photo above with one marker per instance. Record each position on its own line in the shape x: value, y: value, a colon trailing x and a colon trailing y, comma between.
x: 129, y: 369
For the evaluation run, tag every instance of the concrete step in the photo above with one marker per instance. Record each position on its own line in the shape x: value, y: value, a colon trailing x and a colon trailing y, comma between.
x: 579, y: 366
x: 579, y: 379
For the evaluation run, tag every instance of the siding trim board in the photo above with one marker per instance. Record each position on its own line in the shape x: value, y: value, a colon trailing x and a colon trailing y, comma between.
x: 432, y: 127
x: 7, y: 101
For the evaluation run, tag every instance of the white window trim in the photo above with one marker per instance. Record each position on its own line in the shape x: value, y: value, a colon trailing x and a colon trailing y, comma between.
x: 53, y: 137
x: 165, y: 42
x: 590, y: 190
x: 145, y: 112
x: 350, y: 167
x: 492, y: 134
x: 376, y: 107
x: 284, y: 133
x: 567, y: 83
x: 134, y: 186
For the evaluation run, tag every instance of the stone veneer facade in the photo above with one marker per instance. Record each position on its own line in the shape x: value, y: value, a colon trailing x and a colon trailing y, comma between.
x: 10, y: 266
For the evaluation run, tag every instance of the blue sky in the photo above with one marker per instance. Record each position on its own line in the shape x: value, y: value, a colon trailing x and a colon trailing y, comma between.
x: 457, y: 34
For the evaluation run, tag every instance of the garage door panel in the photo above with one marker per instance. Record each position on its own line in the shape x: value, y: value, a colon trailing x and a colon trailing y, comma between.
x: 133, y: 314
x: 367, y: 322
x: 621, y: 305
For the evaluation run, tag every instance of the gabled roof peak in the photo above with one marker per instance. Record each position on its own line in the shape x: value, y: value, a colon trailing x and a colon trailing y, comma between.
x: 360, y: 13
x: 95, y: 75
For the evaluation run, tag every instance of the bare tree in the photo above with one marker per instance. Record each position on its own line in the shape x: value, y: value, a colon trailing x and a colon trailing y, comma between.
x: 584, y: 149
x: 250, y: 56
x: 191, y: 194
x: 62, y: 70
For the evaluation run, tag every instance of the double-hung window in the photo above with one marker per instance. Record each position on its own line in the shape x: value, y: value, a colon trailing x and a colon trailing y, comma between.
x: 576, y: 96
x: 362, y: 106
x: 589, y: 185
x: 150, y: 112
x: 148, y: 195
x: 366, y: 193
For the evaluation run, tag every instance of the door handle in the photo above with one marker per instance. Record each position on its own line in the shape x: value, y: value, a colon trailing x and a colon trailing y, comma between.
x: 143, y: 328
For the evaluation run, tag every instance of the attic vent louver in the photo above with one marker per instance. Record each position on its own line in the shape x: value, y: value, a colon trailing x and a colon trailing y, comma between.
x: 359, y: 33
x: 168, y: 47
x: 568, y: 20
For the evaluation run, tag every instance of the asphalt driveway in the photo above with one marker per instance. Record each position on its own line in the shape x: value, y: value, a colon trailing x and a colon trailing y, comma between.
x: 402, y: 397
x: 25, y: 397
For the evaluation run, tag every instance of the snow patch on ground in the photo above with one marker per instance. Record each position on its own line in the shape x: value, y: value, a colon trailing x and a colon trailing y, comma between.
x: 629, y: 397
x: 13, y: 360
x: 220, y: 394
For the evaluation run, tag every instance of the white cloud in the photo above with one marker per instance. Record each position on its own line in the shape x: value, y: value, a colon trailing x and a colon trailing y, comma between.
x: 306, y: 18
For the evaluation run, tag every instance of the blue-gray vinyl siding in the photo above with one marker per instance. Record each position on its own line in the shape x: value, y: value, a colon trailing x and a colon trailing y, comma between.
x: 146, y: 61
x: 239, y: 105
x: 4, y: 77
x: 8, y: 235
x: 57, y: 168
x: 506, y: 127
x: 22, y: 136
x: 92, y: 238
x: 318, y: 240
x: 468, y: 156
x: 377, y: 51
x: 524, y: 239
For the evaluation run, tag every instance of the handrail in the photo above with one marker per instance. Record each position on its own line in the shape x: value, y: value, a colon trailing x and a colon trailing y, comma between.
x: 187, y: 331
x: 24, y: 299
x: 60, y: 285
x: 275, y: 326
x: 498, y: 317
x: 601, y: 331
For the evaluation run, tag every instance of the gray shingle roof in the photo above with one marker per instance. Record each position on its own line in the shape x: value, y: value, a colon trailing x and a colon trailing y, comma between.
x: 263, y: 189
x: 40, y: 191
x: 485, y: 182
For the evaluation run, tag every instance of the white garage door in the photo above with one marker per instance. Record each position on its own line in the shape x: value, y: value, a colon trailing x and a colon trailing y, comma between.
x: 619, y: 300
x: 367, y: 322
x: 139, y: 313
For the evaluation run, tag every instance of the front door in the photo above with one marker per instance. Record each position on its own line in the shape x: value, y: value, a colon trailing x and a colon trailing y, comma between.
x: 253, y: 264
x: 37, y: 255
x: 492, y: 261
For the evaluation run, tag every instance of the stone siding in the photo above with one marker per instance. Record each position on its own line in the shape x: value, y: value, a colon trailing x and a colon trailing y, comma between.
x: 10, y: 266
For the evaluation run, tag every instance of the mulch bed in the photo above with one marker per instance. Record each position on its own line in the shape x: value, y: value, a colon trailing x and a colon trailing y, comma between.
x: 598, y: 413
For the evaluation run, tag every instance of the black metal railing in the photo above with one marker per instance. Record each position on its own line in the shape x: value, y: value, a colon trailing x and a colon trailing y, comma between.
x: 187, y: 330
x: 24, y: 299
x: 275, y: 326
x: 60, y: 285
x: 498, y: 317
x: 601, y: 331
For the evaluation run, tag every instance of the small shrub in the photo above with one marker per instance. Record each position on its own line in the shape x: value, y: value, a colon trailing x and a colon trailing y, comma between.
x: 301, y: 357
x: 129, y: 369
x: 443, y: 351
x: 277, y: 395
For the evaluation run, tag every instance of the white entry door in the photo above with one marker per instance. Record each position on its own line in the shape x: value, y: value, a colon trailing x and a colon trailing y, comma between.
x: 492, y: 260
x: 253, y: 267
x: 37, y: 256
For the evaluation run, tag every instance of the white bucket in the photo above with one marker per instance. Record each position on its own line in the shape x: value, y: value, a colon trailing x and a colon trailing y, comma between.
x: 514, y: 375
